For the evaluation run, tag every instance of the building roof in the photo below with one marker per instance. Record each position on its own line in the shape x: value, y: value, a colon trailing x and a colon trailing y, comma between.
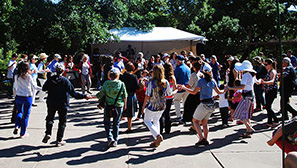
x: 156, y: 34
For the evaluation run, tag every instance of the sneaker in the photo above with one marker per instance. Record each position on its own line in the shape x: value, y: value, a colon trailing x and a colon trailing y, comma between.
x: 114, y: 144
x: 225, y: 125
x: 34, y: 105
x: 46, y: 138
x: 110, y: 143
x: 15, y: 131
x: 257, y: 109
x: 60, y: 143
x: 89, y: 92
x: 25, y: 136
x: 202, y: 143
x: 239, y: 122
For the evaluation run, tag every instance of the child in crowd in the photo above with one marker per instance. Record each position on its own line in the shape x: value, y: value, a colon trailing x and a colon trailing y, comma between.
x: 224, y: 106
x: 144, y: 76
x: 235, y: 99
x: 140, y: 93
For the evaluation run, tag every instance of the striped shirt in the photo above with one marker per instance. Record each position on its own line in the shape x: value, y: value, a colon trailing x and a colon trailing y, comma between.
x: 24, y: 86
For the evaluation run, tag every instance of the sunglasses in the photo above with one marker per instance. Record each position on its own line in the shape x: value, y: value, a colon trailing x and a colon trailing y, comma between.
x: 266, y: 64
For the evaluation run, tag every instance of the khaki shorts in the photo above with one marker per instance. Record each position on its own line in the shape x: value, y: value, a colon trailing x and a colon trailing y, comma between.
x: 203, y: 111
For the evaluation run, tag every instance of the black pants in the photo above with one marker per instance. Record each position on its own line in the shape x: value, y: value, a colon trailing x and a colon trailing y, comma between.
x: 140, y: 105
x: 166, y: 117
x: 269, y: 97
x: 51, y: 111
x: 14, y: 113
x: 288, y: 107
x: 259, y: 95
x: 9, y: 92
x: 224, y: 114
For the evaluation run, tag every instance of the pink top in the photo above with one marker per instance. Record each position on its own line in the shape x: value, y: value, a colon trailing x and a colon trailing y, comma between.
x: 236, y: 93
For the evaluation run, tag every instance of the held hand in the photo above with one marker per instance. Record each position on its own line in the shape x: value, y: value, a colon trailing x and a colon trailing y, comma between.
x: 226, y: 89
x: 47, y: 70
x: 125, y: 106
x: 79, y: 71
x: 67, y: 70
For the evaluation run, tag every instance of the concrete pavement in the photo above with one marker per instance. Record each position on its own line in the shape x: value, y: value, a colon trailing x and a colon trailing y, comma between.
x: 86, y: 143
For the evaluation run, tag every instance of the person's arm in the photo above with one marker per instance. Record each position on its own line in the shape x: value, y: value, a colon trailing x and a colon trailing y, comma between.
x: 235, y: 73
x: 90, y: 70
x: 218, y: 90
x: 15, y: 86
x: 11, y: 66
x: 216, y: 97
x: 192, y: 91
x: 33, y: 84
x: 174, y: 83
x: 125, y: 104
x: 240, y: 87
x: 74, y: 93
x: 146, y: 97
x: 191, y: 81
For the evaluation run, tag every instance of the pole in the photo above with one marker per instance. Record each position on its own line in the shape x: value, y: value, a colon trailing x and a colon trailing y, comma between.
x: 282, y: 84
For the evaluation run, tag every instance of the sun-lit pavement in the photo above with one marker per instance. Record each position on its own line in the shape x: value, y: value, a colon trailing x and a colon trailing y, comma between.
x: 86, y: 143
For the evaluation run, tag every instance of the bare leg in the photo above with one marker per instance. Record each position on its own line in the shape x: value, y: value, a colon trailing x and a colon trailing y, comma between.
x: 276, y: 136
x: 231, y: 114
x: 129, y: 123
x: 198, y: 128
x: 247, y: 124
x: 205, y: 128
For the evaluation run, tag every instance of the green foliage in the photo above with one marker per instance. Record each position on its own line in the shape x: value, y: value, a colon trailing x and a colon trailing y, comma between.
x: 4, y: 58
x: 71, y: 25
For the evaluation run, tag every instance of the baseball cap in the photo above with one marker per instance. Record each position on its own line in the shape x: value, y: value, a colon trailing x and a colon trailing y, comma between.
x: 180, y: 57
x: 58, y: 56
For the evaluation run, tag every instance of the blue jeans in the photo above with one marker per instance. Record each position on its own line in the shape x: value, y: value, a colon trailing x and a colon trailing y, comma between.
x: 23, y: 105
x: 112, y: 134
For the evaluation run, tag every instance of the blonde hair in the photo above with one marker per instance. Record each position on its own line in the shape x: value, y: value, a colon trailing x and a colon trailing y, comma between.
x: 158, y: 74
x: 84, y: 56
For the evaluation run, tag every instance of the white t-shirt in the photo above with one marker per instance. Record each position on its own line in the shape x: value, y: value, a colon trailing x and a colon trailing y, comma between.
x: 10, y: 71
x: 85, y: 68
x: 248, y: 80
x: 223, y: 102
x: 24, y: 86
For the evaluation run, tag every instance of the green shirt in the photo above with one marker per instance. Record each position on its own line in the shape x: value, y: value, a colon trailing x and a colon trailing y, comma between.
x: 110, y: 89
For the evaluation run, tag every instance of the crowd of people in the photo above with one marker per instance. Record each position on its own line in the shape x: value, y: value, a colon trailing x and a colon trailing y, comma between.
x: 148, y: 88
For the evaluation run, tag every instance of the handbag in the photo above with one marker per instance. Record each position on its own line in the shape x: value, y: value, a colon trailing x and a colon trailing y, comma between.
x: 111, y: 109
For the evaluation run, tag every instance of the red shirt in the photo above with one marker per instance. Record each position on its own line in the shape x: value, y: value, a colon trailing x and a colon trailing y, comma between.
x: 140, y: 93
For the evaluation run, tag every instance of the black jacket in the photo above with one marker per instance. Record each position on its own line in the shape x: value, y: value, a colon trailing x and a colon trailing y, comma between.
x: 59, y: 88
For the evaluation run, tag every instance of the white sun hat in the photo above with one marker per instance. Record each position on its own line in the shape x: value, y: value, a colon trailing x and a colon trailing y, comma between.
x: 244, y: 66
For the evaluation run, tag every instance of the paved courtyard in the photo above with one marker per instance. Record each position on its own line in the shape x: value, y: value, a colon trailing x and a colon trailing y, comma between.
x: 86, y: 143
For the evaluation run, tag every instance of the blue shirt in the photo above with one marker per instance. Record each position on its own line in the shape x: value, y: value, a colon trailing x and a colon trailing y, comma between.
x: 120, y: 65
x: 52, y: 66
x: 293, y: 60
x: 215, y: 70
x: 182, y: 74
x: 206, y: 88
x: 34, y: 75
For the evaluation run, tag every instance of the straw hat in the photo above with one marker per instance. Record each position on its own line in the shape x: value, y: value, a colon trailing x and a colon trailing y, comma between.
x: 43, y: 55
x: 244, y: 66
